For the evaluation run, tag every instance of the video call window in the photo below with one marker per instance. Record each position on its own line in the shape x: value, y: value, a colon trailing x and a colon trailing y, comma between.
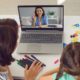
x: 41, y: 16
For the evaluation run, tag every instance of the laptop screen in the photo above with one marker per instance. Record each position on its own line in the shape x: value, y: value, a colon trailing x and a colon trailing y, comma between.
x: 41, y: 17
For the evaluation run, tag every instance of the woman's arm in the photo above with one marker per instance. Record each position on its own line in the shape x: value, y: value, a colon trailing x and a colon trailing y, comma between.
x: 48, y: 75
x: 33, y: 21
x: 43, y: 26
x: 9, y: 74
x: 51, y: 72
x: 45, y: 21
x: 33, y: 24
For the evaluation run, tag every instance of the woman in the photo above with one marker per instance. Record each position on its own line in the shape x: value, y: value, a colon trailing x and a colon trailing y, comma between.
x: 39, y: 20
x: 8, y: 43
x: 69, y: 68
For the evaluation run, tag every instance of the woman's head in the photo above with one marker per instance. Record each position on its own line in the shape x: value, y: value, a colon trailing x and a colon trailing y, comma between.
x: 70, y: 60
x: 39, y: 11
x: 10, y: 22
x: 8, y: 42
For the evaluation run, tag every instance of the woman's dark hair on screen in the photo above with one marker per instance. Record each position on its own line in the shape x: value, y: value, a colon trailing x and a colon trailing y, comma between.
x: 40, y: 8
x: 8, y: 41
x: 70, y: 60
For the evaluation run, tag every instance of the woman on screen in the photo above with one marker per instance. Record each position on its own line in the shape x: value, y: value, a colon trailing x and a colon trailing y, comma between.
x: 39, y: 20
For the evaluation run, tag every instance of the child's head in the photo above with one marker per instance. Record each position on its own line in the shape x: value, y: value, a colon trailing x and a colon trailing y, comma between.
x: 70, y: 60
x: 8, y: 42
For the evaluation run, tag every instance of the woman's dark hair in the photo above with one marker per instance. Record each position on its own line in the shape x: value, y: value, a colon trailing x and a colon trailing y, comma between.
x: 10, y: 22
x: 70, y: 60
x: 40, y: 8
x: 8, y: 41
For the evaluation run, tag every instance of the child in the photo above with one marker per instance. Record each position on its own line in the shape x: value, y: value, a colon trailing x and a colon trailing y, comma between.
x: 69, y: 68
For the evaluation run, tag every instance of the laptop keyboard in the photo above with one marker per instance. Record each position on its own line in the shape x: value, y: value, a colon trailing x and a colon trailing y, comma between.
x: 41, y: 38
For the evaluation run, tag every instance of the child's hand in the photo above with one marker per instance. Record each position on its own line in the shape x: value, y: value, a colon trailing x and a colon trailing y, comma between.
x: 33, y: 71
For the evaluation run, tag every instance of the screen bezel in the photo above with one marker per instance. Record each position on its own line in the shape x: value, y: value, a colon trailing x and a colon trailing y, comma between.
x: 24, y: 29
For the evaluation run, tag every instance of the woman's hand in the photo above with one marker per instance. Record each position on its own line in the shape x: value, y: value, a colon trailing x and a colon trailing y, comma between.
x: 33, y: 21
x: 40, y: 25
x: 33, y: 71
x: 34, y: 18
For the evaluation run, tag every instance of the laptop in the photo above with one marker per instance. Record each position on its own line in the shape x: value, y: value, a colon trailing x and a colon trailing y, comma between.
x: 48, y: 29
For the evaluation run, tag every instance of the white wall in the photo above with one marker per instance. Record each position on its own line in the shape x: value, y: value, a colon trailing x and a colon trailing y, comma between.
x: 71, y: 7
x: 10, y: 6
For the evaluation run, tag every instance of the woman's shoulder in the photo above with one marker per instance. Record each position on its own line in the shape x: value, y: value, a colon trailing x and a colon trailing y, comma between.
x: 45, y: 16
x: 64, y: 77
